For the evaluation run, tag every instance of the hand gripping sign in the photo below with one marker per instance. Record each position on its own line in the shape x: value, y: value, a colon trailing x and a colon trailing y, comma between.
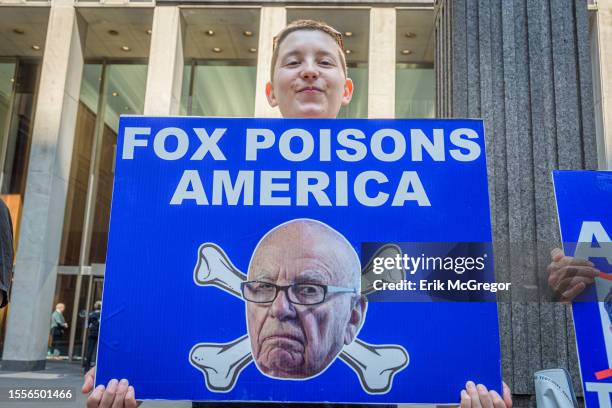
x: 221, y: 364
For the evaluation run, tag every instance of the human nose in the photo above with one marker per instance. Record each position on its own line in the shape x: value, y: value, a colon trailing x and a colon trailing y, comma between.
x: 281, y: 308
x: 309, y: 71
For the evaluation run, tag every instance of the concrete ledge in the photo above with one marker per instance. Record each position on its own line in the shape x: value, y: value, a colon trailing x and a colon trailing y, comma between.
x: 22, y: 365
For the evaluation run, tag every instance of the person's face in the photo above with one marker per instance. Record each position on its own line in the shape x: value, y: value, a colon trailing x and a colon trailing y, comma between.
x: 61, y: 308
x: 309, y: 80
x: 298, y: 341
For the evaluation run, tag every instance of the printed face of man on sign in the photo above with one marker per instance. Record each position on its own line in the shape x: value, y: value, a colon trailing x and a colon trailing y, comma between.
x: 303, y: 299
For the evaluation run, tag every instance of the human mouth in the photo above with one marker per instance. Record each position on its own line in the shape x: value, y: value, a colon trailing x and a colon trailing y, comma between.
x: 310, y: 90
x: 280, y: 337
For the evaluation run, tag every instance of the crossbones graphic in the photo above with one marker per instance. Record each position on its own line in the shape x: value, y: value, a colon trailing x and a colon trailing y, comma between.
x: 222, y: 363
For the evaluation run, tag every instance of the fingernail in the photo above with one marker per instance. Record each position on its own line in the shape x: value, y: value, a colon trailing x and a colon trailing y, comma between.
x: 112, y: 384
x: 469, y: 385
x: 481, y: 388
x: 591, y: 263
x: 100, y: 387
x: 495, y: 393
x: 123, y: 381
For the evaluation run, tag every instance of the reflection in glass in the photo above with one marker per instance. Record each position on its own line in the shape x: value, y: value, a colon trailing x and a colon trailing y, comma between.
x: 358, y: 108
x: 19, y: 133
x: 82, y: 316
x: 125, y: 94
x: 185, y: 107
x: 7, y: 72
x: 414, y: 92
x: 219, y: 88
x: 107, y: 92
x: 122, y: 89
x: 80, y: 164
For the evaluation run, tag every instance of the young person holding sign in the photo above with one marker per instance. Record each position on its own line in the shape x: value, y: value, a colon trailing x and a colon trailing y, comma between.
x: 308, y: 80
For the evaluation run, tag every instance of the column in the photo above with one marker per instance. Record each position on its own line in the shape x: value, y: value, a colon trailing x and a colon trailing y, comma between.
x: 45, y: 195
x: 602, y: 69
x: 524, y: 68
x: 381, y: 63
x: 271, y: 21
x: 165, y: 69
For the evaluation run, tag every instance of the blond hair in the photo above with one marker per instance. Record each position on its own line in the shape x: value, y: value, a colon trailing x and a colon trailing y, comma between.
x: 310, y: 25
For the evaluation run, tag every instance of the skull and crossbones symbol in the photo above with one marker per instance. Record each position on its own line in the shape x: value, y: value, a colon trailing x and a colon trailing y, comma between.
x: 299, y: 335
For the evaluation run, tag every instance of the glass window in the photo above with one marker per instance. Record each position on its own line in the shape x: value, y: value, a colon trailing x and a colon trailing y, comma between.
x: 7, y: 72
x: 415, y: 84
x: 80, y: 164
x: 219, y: 88
x: 358, y: 108
x: 64, y: 293
x: 185, y: 107
x: 115, y: 89
x: 19, y: 135
x: 124, y: 94
x: 107, y: 92
x: 221, y: 61
x: 414, y: 92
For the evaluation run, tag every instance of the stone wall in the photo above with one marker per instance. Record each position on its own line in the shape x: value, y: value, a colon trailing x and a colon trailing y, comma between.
x: 524, y: 67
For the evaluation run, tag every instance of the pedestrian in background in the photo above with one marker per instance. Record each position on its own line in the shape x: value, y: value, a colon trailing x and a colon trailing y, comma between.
x: 58, y: 324
x: 93, y: 328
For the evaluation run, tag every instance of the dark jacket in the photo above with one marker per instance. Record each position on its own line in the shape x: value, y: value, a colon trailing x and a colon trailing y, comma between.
x: 94, y: 324
x: 6, y: 252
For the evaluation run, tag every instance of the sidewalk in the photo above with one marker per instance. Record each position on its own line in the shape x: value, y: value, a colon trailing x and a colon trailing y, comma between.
x: 58, y: 374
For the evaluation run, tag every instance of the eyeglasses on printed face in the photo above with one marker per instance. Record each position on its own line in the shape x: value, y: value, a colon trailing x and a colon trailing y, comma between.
x: 298, y: 293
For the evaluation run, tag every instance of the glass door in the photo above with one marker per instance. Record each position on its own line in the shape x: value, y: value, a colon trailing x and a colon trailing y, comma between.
x: 108, y: 90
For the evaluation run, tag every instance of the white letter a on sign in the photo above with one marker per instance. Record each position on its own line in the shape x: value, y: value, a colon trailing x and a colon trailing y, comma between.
x: 189, y: 178
x: 593, y: 230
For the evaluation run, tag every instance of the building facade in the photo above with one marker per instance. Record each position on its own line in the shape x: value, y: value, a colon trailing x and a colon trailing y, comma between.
x: 69, y: 69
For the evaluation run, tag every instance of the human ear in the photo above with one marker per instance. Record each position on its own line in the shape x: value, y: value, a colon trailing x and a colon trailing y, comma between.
x: 270, y: 95
x: 347, y: 95
x: 356, y: 318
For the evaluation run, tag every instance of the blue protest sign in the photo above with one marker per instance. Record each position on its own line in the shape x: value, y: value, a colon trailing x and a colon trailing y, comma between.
x: 233, y: 268
x: 584, y: 204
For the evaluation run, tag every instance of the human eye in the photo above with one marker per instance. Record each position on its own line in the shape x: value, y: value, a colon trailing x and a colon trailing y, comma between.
x: 292, y: 62
x: 308, y: 290
x: 262, y: 286
x: 327, y: 62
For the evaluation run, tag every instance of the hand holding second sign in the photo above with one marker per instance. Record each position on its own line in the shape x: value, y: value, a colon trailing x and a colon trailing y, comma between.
x: 569, y: 276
